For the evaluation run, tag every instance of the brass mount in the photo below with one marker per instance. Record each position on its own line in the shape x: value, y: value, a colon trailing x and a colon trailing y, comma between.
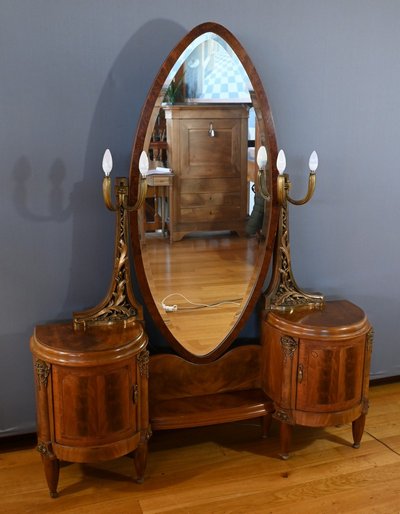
x: 283, y: 293
x: 119, y: 305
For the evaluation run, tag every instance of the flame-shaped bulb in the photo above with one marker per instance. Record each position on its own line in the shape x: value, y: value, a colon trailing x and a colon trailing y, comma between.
x: 107, y: 163
x: 313, y: 162
x: 281, y: 162
x: 262, y: 158
x: 143, y: 163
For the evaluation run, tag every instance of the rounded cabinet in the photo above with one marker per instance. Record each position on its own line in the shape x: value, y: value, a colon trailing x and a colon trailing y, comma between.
x: 316, y: 367
x: 91, y: 393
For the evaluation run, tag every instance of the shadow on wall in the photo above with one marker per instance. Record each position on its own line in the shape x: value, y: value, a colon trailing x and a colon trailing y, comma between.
x: 59, y: 210
x: 113, y: 126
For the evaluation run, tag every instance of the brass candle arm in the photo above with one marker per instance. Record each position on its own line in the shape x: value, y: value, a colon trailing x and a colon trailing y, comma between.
x: 122, y: 192
x: 107, y: 193
x: 286, y: 188
x: 262, y: 185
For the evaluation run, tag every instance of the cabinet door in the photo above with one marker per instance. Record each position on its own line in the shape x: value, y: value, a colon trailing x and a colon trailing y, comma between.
x: 210, y: 157
x: 94, y: 405
x: 330, y: 375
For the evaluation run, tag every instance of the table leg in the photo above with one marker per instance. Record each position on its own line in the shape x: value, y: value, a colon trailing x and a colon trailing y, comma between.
x: 358, y: 430
x: 140, y: 459
x: 285, y: 438
x: 51, y: 467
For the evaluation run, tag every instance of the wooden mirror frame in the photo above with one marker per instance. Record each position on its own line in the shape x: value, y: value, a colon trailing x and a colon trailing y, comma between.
x: 146, y: 117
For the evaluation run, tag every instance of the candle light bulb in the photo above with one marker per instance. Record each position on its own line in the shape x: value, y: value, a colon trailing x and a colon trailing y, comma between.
x: 262, y: 158
x: 107, y: 163
x: 143, y: 163
x: 313, y: 162
x: 281, y: 162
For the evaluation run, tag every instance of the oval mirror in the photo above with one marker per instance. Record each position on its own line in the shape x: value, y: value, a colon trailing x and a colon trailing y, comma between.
x: 203, y: 240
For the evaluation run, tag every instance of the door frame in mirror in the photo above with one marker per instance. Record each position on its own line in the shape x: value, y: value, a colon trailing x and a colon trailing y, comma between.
x: 148, y: 114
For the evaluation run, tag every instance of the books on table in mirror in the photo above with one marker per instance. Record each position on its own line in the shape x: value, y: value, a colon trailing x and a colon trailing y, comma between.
x: 158, y: 171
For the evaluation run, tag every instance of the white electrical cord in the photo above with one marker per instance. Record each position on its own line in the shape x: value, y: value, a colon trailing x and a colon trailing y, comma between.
x: 173, y: 308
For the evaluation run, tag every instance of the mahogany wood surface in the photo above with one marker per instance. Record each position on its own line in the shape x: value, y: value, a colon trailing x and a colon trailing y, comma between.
x: 91, y: 393
x: 316, y: 366
x: 149, y: 114
x: 184, y: 394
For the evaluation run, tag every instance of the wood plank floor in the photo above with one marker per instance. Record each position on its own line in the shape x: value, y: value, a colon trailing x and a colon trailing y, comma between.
x: 228, y: 469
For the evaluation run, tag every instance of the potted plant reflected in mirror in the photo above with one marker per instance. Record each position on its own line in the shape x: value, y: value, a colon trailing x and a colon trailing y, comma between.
x: 175, y: 91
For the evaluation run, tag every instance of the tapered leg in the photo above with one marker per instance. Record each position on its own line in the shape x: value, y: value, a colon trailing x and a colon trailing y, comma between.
x: 140, y: 460
x: 285, y: 438
x: 52, y: 472
x: 358, y: 430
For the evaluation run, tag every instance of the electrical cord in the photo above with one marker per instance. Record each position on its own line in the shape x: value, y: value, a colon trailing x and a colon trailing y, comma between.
x: 174, y: 308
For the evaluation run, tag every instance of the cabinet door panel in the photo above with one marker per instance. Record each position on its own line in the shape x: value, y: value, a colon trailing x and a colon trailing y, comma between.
x: 330, y: 375
x: 100, y: 404
x: 205, y: 156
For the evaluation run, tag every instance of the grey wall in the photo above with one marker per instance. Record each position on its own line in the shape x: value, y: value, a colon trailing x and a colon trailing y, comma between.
x: 73, y: 78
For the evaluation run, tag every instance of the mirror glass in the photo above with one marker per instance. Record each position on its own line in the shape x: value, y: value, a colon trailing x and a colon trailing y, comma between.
x: 203, y: 237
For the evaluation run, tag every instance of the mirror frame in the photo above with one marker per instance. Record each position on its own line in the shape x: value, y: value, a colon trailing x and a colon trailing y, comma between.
x: 148, y: 114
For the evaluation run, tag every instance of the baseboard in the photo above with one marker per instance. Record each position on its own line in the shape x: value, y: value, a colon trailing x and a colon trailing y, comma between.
x: 384, y: 380
x: 18, y: 442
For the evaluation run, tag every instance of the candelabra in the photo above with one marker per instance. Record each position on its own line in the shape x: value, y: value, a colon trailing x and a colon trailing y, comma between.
x: 119, y: 305
x: 283, y: 292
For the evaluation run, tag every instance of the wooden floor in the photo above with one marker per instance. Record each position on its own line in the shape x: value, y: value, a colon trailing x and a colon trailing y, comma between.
x: 228, y: 469
x: 215, y: 269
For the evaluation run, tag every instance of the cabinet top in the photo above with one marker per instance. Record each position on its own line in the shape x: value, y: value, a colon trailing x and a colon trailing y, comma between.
x: 209, y: 111
x: 61, y: 343
x: 335, y: 319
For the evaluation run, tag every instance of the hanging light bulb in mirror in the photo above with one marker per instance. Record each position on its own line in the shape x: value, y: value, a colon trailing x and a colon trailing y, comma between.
x: 143, y: 163
x: 262, y: 158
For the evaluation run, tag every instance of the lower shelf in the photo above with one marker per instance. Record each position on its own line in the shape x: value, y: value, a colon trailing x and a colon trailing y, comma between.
x: 211, y: 409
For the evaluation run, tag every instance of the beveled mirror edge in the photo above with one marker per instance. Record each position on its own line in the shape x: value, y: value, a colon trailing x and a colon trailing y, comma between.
x: 139, y: 141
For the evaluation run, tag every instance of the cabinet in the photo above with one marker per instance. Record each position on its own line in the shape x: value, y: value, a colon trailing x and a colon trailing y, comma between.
x: 91, y: 394
x: 316, y: 367
x: 207, y: 151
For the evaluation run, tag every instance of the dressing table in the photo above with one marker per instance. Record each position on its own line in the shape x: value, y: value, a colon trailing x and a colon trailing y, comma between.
x: 99, y: 393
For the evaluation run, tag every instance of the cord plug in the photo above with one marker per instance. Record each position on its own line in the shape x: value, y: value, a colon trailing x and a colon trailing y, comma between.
x: 169, y: 308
